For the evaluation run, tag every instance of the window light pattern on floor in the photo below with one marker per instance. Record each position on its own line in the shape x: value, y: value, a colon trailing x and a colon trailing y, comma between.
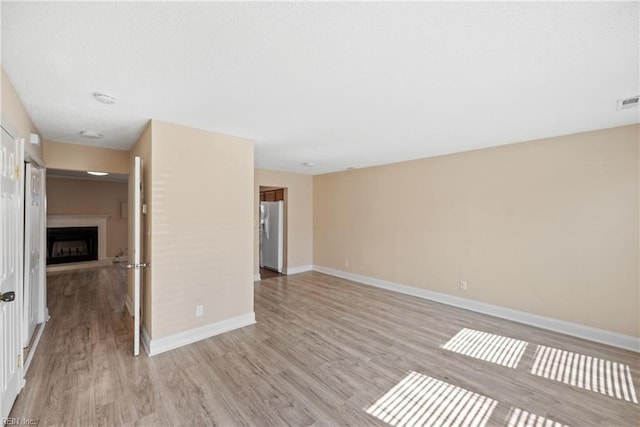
x: 520, y: 418
x: 492, y: 348
x: 419, y: 400
x: 590, y: 373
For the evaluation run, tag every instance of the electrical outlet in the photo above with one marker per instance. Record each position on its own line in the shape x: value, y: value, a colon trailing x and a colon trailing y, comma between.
x: 463, y: 285
x: 346, y: 262
x: 199, y: 310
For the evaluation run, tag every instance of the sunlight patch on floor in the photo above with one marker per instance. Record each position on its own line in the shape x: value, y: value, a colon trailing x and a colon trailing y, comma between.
x: 590, y: 373
x: 520, y: 418
x: 421, y: 400
x: 492, y: 348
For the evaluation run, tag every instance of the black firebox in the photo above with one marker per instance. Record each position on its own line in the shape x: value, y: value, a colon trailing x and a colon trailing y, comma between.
x: 72, y: 244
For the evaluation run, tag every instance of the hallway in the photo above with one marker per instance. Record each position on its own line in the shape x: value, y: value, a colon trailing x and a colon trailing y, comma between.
x: 77, y: 364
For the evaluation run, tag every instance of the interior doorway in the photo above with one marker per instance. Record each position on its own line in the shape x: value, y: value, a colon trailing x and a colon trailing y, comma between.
x: 87, y: 219
x: 272, y: 231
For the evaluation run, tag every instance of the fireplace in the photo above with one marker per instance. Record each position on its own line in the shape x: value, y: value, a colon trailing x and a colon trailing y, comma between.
x: 75, y: 238
x: 71, y: 244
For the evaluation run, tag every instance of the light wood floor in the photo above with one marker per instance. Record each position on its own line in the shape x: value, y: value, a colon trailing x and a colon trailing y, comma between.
x: 323, y: 350
x: 265, y: 273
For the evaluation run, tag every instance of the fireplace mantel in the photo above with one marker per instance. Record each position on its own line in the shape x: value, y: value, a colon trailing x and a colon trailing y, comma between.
x: 100, y: 221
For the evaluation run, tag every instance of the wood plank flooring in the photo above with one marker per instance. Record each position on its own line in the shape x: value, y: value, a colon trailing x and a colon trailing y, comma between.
x: 324, y: 351
x: 265, y: 273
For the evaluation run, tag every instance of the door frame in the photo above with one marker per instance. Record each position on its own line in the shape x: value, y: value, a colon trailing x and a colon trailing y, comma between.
x: 285, y: 228
x: 42, y: 311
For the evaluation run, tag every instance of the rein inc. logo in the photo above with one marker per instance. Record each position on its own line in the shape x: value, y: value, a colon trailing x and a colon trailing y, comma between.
x: 18, y: 422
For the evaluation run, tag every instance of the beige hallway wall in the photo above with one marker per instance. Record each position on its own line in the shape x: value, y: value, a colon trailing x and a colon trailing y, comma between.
x: 202, y: 227
x: 91, y: 197
x: 299, y: 216
x: 67, y: 156
x: 15, y: 116
x: 549, y: 227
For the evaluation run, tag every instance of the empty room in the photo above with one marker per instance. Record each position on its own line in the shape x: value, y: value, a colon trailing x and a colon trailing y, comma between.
x: 320, y: 213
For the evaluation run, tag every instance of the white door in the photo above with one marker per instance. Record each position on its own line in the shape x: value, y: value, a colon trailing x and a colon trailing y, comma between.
x: 32, y: 244
x: 137, y: 265
x: 10, y: 265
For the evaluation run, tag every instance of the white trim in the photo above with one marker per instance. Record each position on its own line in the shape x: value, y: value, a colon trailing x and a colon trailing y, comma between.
x: 99, y: 221
x: 257, y: 277
x: 586, y: 332
x: 160, y: 345
x: 299, y: 269
x: 34, y: 346
x: 30, y: 157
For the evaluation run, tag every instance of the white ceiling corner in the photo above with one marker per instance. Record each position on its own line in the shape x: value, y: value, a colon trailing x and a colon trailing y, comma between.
x: 336, y: 84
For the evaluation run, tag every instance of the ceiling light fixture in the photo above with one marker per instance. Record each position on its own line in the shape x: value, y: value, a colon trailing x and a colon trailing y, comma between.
x: 309, y: 164
x: 104, y: 98
x: 98, y: 173
x: 91, y: 134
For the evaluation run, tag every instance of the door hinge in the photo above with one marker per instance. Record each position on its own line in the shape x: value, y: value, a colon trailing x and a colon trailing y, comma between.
x: 19, y: 361
x: 18, y: 171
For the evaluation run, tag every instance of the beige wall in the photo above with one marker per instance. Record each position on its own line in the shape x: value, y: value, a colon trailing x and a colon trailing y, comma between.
x: 202, y: 234
x: 15, y: 116
x: 142, y: 149
x: 299, y: 215
x: 91, y: 197
x: 62, y: 155
x: 548, y: 227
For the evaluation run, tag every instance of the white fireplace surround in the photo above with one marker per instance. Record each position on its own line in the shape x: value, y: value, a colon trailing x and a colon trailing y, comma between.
x: 100, y: 221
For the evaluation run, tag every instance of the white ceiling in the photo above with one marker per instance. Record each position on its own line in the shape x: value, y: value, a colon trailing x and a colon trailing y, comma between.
x: 336, y: 84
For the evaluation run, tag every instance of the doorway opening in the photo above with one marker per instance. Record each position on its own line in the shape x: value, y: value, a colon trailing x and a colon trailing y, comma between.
x: 87, y: 221
x: 272, y: 232
x: 85, y: 227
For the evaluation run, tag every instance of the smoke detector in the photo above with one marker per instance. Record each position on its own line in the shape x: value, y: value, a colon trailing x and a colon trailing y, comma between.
x: 628, y: 103
x: 104, y: 98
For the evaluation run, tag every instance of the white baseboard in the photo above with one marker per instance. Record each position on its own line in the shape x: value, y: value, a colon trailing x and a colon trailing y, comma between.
x: 256, y: 277
x: 587, y: 332
x: 160, y: 345
x: 129, y: 304
x: 34, y: 346
x: 299, y: 269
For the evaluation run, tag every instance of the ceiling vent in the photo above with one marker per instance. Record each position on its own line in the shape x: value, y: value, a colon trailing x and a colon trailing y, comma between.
x: 626, y: 104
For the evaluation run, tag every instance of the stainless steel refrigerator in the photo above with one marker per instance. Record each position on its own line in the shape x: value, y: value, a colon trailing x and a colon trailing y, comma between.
x: 272, y: 235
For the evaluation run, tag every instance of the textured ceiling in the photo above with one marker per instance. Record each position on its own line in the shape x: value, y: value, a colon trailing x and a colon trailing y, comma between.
x: 336, y: 84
